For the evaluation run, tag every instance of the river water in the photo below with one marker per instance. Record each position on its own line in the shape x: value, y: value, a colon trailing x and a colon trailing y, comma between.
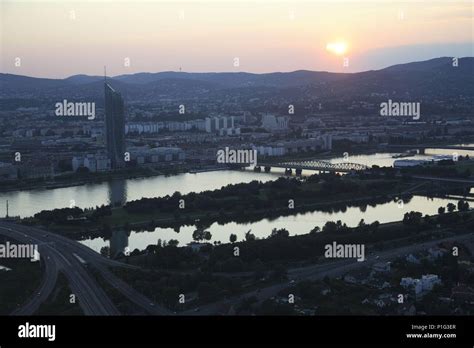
x: 295, y: 224
x: 28, y: 202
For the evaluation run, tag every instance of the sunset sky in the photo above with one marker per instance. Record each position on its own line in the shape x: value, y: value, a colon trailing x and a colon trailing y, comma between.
x: 61, y: 38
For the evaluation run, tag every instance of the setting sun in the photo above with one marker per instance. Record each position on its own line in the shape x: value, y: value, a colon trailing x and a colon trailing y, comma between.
x: 337, y: 47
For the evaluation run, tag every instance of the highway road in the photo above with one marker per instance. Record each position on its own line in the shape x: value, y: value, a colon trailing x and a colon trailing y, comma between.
x: 91, y: 297
x: 57, y: 254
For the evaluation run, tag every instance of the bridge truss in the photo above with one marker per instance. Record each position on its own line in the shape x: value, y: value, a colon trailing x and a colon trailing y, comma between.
x: 342, y: 167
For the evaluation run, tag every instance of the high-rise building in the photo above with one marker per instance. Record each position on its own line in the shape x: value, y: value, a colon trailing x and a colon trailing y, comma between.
x: 214, y: 124
x: 114, y: 127
x: 274, y: 123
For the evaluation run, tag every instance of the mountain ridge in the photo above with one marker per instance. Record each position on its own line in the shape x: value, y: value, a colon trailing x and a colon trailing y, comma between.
x: 435, y: 76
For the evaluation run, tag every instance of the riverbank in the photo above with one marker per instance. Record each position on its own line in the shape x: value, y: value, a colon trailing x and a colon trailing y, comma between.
x: 71, y: 179
x: 244, y: 203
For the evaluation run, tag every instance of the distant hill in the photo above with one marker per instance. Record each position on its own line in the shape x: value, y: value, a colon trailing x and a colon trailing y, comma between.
x: 432, y: 78
x: 426, y: 65
x: 238, y: 79
x: 435, y: 77
x: 19, y: 82
x: 81, y: 79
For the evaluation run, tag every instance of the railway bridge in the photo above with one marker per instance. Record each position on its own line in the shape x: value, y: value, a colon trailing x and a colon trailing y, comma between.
x: 323, y: 166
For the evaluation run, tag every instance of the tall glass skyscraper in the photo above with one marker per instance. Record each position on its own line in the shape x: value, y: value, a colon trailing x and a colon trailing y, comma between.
x: 114, y: 127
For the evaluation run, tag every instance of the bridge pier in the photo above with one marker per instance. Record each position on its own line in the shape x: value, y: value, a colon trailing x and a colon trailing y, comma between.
x: 298, y: 171
x: 257, y: 169
x: 267, y: 169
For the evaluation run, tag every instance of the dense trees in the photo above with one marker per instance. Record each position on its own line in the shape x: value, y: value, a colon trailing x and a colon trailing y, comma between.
x: 463, y: 205
x: 246, y: 198
x: 173, y: 243
x: 249, y: 236
x: 199, y: 234
x: 412, y: 218
x: 70, y: 215
x: 58, y: 215
x: 281, y: 233
x: 333, y: 227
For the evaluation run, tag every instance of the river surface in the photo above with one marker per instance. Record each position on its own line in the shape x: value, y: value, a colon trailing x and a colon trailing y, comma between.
x: 28, y: 202
x: 296, y: 224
